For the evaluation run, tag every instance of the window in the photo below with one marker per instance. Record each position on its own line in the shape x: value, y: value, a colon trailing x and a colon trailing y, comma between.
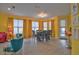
x: 18, y: 26
x: 35, y: 26
x: 62, y: 31
x: 62, y: 23
x: 45, y: 25
x: 62, y: 28
x: 50, y: 25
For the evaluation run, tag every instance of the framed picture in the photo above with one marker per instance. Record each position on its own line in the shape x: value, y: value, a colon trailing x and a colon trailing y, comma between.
x: 74, y: 8
x: 75, y: 20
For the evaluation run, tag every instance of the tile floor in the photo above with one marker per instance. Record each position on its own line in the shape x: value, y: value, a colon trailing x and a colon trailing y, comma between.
x: 33, y: 47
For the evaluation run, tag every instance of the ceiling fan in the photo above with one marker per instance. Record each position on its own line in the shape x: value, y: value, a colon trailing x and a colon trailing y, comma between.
x: 41, y: 12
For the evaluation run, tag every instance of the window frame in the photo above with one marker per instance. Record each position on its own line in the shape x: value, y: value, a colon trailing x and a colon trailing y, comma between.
x: 17, y: 26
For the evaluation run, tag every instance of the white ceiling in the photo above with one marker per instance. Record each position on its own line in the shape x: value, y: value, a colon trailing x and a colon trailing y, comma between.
x: 27, y: 9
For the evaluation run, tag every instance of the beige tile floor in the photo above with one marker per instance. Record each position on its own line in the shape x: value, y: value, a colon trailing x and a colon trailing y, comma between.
x: 33, y: 47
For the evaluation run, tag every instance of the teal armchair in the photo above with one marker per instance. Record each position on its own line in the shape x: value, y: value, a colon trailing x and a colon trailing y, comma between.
x: 16, y: 45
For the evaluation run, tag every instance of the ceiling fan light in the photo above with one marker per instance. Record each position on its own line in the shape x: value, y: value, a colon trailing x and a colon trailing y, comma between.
x: 9, y: 9
x: 42, y: 14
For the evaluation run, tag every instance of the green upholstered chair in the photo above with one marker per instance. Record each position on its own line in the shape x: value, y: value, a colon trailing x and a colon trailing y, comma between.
x: 16, y: 45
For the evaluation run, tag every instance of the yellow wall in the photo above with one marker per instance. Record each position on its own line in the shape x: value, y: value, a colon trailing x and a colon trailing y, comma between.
x: 56, y: 27
x: 40, y: 24
x: 3, y: 22
x: 75, y: 47
x: 27, y: 28
x: 53, y: 28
